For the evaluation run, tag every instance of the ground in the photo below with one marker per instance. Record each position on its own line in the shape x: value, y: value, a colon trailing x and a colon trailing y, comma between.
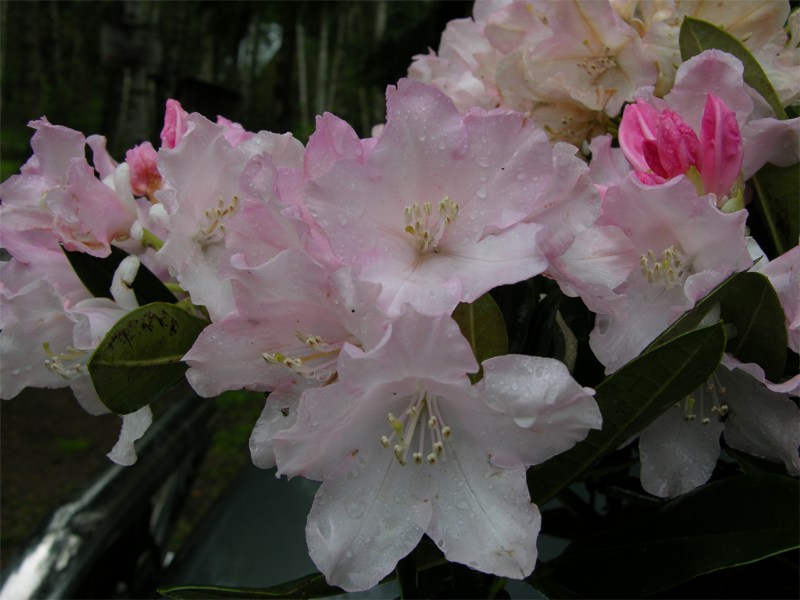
x: 50, y: 447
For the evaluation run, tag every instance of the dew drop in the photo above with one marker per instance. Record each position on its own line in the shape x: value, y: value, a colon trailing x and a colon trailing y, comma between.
x: 355, y: 509
x: 462, y: 505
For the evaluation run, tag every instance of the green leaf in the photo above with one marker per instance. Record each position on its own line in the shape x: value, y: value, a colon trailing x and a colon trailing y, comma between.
x: 139, y: 358
x: 697, y: 35
x: 692, y: 319
x: 98, y: 273
x: 481, y: 322
x: 749, y: 303
x: 632, y: 398
x: 310, y: 586
x: 725, y: 524
x: 778, y: 204
x: 754, y: 309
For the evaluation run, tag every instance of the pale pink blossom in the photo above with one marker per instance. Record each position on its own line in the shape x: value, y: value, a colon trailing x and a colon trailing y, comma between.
x: 685, y: 247
x: 758, y: 25
x: 234, y: 132
x: 406, y: 446
x: 679, y: 450
x: 569, y: 65
x: 213, y: 193
x: 57, y: 191
x: 47, y: 339
x: 434, y: 211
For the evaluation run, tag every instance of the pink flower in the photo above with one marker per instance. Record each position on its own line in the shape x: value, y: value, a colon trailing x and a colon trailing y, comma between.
x: 710, y: 127
x: 660, y: 145
x: 234, y: 132
x: 143, y: 163
x: 406, y: 447
x: 685, y: 246
x: 175, y: 124
x: 679, y: 450
x: 434, y: 211
x: 57, y: 194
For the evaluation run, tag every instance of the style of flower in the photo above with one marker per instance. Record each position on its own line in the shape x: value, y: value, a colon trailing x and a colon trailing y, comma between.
x: 406, y: 446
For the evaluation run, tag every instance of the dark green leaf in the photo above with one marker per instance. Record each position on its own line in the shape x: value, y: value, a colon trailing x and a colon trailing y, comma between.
x: 692, y: 319
x: 97, y: 274
x: 732, y: 522
x: 778, y: 204
x: 697, y: 35
x: 632, y: 398
x: 749, y: 302
x: 482, y: 324
x: 310, y: 586
x: 139, y: 358
x: 753, y: 307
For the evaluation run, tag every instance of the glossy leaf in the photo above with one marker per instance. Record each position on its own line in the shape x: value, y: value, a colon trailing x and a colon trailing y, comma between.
x: 632, y: 398
x: 139, y: 358
x: 778, y: 205
x: 693, y: 318
x: 697, y: 35
x: 98, y: 273
x: 310, y: 586
x: 749, y: 303
x: 728, y: 523
x: 755, y: 311
x: 481, y: 322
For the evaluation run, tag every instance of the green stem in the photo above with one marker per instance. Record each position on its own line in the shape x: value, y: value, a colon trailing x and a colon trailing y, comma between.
x: 151, y: 241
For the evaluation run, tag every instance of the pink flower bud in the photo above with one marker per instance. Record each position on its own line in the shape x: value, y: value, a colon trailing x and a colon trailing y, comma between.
x: 234, y: 132
x: 721, y: 143
x: 143, y: 163
x: 676, y: 147
x: 174, y: 124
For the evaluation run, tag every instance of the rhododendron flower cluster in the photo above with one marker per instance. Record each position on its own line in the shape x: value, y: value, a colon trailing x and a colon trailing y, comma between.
x: 363, y: 284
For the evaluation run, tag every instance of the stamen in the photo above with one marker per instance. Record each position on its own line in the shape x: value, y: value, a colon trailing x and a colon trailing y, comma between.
x: 670, y: 270
x: 69, y: 364
x: 214, y: 231
x: 421, y: 408
x: 427, y: 235
x: 315, y: 359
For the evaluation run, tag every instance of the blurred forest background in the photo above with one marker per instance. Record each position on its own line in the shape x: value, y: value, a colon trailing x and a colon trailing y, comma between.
x: 108, y: 66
